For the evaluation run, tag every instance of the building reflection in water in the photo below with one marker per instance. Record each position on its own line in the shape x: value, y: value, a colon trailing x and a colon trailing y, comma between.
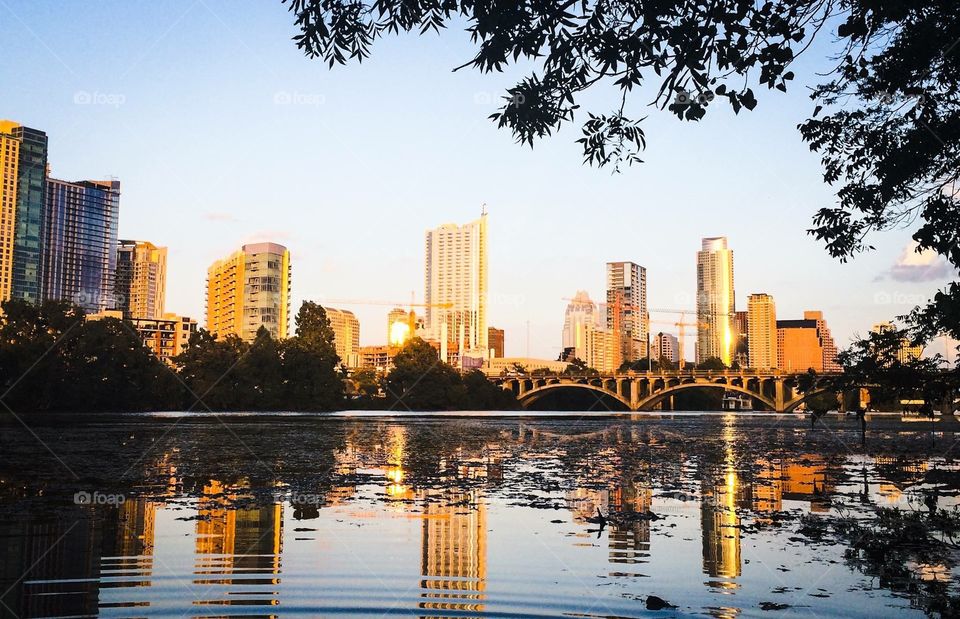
x: 719, y: 519
x: 237, y: 547
x: 453, y: 559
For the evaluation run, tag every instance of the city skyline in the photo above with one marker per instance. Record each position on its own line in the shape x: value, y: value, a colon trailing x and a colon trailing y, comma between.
x: 224, y: 179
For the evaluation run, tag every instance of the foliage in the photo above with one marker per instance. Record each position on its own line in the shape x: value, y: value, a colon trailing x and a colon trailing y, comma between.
x: 879, y: 362
x: 886, y: 123
x: 712, y: 364
x: 420, y: 381
x: 579, y: 367
x: 52, y: 359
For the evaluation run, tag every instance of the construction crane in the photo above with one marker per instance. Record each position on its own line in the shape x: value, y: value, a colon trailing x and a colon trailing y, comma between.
x: 681, y: 324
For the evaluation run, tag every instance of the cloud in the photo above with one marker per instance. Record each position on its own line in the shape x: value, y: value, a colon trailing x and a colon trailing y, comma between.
x: 914, y: 266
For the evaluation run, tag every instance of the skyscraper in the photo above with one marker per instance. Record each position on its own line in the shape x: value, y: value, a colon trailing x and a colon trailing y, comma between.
x: 456, y: 287
x: 346, y: 335
x: 581, y: 313
x: 762, y: 331
x: 250, y: 289
x: 141, y: 280
x: 627, y: 308
x: 80, y: 242
x: 23, y: 175
x: 715, y: 301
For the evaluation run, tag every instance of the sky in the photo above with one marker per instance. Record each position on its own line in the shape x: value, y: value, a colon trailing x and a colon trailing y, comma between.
x: 222, y: 133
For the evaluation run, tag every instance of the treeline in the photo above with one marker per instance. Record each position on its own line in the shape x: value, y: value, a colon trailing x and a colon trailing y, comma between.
x: 53, y: 359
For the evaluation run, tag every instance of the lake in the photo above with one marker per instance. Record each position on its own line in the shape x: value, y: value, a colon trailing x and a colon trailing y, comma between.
x: 467, y: 515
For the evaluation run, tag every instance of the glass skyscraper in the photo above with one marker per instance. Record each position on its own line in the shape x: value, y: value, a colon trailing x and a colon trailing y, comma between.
x: 23, y: 160
x: 80, y: 242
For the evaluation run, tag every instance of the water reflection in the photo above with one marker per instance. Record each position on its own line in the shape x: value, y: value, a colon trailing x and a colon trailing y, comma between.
x: 450, y: 519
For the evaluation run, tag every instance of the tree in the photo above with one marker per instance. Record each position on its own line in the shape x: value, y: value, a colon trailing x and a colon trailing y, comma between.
x: 483, y: 395
x: 889, y: 134
x: 420, y: 381
x: 310, y: 363
x: 207, y: 368
x: 712, y: 364
x: 579, y: 367
x: 878, y: 362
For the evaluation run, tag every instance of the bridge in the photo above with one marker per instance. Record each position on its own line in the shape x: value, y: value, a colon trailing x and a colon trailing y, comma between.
x: 639, y: 391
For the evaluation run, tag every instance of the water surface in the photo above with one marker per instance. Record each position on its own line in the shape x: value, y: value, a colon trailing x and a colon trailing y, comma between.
x: 277, y: 515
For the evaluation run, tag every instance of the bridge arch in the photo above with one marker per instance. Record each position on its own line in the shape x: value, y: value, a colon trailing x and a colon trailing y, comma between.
x: 659, y: 396
x: 535, y: 394
x: 790, y: 406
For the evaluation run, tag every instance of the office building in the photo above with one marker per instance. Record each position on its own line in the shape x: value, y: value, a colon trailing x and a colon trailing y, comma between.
x: 581, y: 313
x: 346, y: 335
x: 806, y: 344
x: 250, y: 289
x: 23, y: 176
x: 495, y: 341
x: 398, y: 327
x: 627, y: 309
x: 80, y: 242
x: 667, y: 347
x: 456, y: 288
x: 140, y: 285
x: 762, y: 330
x: 715, y: 301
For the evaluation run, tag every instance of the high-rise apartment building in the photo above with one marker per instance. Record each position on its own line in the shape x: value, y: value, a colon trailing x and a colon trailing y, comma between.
x: 80, y: 242
x: 762, y: 331
x: 495, y: 339
x: 456, y: 288
x: 806, y: 344
x: 250, y: 289
x: 627, y: 308
x: 581, y: 314
x: 601, y: 348
x: 346, y: 335
x: 141, y: 281
x: 23, y: 175
x: 666, y: 346
x: 715, y: 301
x: 166, y: 336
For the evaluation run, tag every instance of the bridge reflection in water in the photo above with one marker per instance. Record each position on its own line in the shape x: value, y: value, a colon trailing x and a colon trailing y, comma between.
x: 638, y: 391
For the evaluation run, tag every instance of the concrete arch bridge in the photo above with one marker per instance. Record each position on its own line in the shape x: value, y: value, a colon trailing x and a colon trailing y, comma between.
x: 639, y: 391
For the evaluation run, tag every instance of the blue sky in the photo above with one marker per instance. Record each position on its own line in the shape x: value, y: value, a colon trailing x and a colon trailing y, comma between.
x: 222, y: 132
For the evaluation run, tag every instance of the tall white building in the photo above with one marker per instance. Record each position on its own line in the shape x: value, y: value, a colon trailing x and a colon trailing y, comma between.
x: 627, y: 308
x: 762, y: 332
x: 581, y: 314
x: 666, y: 346
x: 715, y: 301
x: 456, y: 288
